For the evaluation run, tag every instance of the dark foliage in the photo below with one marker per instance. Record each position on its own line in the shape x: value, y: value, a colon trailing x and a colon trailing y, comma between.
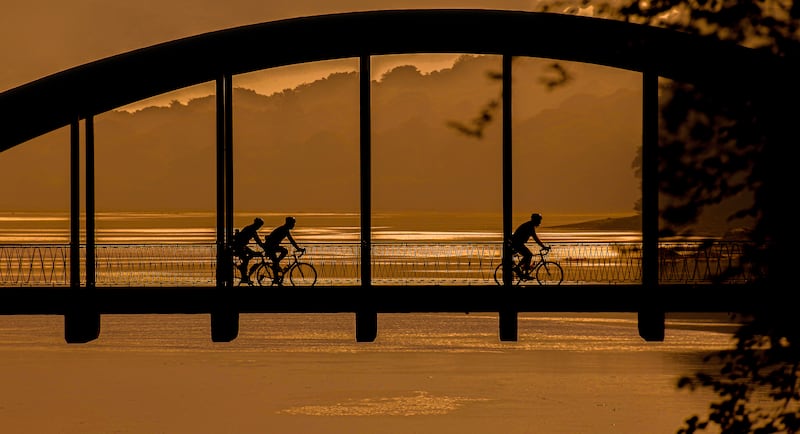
x: 757, y: 382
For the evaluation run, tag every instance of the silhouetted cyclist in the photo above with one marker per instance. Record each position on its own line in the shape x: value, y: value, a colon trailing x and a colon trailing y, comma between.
x: 240, y: 248
x: 521, y: 236
x: 274, y: 250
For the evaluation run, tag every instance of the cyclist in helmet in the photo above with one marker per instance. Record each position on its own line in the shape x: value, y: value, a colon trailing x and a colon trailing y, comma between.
x: 524, y: 232
x: 274, y: 250
x: 240, y: 247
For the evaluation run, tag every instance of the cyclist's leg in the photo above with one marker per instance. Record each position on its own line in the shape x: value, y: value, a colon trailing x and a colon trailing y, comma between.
x: 277, y: 254
x: 282, y: 252
x: 275, y: 261
x: 527, y: 256
x: 527, y: 259
x: 244, y: 257
x: 252, y: 254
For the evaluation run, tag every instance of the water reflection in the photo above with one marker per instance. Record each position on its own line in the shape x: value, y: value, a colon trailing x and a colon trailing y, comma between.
x: 197, y: 227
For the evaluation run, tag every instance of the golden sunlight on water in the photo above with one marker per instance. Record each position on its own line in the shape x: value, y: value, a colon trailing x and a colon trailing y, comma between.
x: 420, y: 403
x: 199, y: 227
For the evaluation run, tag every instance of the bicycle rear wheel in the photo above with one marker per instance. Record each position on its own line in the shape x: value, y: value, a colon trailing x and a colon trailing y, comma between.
x: 498, y: 276
x: 303, y: 274
x: 264, y: 275
x: 549, y: 273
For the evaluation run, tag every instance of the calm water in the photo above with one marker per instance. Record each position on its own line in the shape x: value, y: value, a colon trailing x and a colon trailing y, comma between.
x: 426, y: 373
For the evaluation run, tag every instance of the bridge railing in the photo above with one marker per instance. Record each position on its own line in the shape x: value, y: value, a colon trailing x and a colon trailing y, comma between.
x: 393, y: 263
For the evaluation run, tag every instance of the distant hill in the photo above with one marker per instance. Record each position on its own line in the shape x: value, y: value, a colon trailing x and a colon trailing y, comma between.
x: 712, y: 223
x: 631, y: 223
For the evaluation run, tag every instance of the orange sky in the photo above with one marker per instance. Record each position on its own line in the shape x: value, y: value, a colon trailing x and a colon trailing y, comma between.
x: 42, y: 37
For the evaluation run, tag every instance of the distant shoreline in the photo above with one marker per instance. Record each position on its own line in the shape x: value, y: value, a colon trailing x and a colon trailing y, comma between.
x: 630, y: 223
x: 634, y: 223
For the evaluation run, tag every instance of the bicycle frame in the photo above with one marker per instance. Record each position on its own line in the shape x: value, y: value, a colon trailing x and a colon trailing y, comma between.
x: 292, y: 263
x: 517, y: 265
x: 542, y: 270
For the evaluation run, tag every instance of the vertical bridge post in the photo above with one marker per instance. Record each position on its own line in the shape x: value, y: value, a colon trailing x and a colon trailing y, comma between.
x: 366, y: 316
x: 507, y: 316
x: 651, y: 311
x: 81, y: 318
x: 224, y: 315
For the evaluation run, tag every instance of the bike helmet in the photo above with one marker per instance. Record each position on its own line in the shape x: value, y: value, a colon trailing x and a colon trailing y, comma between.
x: 258, y: 221
x: 290, y: 219
x: 536, y: 217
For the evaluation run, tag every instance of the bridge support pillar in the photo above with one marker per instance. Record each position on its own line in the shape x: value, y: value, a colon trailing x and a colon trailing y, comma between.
x: 81, y: 318
x: 224, y: 325
x: 508, y: 325
x: 366, y: 326
x: 81, y: 326
x: 651, y: 325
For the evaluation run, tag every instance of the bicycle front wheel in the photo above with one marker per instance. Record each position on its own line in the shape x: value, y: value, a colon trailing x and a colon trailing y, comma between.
x: 264, y: 275
x: 549, y: 273
x: 303, y: 274
x: 498, y: 276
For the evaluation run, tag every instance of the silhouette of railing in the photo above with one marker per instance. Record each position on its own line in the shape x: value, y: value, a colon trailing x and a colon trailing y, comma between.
x: 393, y: 263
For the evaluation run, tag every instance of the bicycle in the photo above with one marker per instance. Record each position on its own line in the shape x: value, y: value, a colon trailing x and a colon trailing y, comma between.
x: 300, y: 273
x: 544, y: 271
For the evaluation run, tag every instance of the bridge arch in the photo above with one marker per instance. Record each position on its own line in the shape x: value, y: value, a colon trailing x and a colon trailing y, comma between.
x: 54, y: 101
x: 80, y: 93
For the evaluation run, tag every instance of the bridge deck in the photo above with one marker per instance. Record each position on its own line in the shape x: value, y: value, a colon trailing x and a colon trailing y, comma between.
x: 384, y: 299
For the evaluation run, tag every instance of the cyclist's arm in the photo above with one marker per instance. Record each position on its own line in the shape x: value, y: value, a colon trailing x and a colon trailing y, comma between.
x: 291, y: 240
x: 538, y: 241
x: 261, y: 243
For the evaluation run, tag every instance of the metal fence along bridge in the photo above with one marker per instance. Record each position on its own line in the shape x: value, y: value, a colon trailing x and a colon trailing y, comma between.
x: 396, y: 263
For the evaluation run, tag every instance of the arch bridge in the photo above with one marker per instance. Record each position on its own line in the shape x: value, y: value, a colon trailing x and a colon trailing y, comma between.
x: 75, y: 96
